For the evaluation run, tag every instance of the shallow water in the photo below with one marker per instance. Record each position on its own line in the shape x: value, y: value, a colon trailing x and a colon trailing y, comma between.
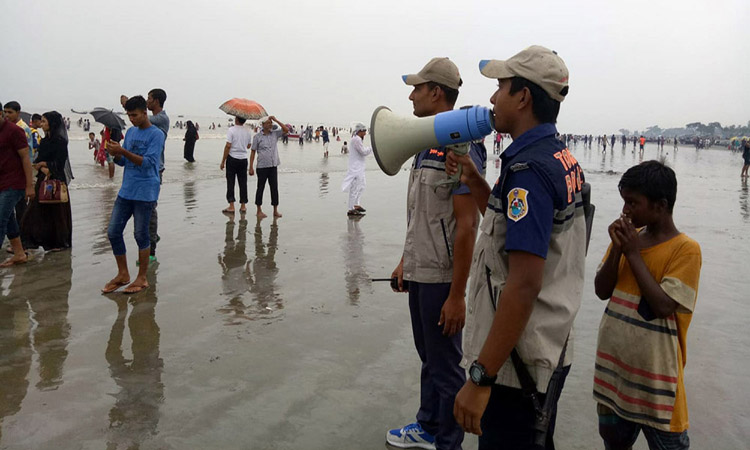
x: 270, y: 334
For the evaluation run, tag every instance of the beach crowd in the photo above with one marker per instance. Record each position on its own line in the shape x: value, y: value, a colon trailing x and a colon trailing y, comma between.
x: 494, y: 273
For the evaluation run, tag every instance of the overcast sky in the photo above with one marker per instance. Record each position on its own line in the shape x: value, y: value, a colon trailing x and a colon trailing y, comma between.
x: 632, y: 63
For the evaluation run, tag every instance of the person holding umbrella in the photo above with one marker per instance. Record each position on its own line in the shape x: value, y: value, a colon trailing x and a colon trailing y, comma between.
x: 235, y: 161
x: 265, y: 146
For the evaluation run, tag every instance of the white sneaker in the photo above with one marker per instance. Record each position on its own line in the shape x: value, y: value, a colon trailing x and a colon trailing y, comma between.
x: 410, y: 436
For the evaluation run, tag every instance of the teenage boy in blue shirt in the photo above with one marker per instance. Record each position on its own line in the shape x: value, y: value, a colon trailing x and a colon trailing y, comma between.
x: 140, y: 155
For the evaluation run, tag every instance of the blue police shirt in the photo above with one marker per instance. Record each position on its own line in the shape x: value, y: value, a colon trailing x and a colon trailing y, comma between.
x: 536, y: 190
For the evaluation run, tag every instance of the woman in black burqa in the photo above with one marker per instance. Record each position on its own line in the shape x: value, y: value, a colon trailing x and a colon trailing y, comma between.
x: 50, y: 225
x: 191, y: 135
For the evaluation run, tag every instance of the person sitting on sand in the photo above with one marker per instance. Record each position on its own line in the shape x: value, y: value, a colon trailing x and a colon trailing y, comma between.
x: 140, y: 154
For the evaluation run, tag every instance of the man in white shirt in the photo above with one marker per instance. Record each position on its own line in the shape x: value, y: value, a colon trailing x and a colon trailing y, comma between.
x: 235, y: 160
x: 355, y: 176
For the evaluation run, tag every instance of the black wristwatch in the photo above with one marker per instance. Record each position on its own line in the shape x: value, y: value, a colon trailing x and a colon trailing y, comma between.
x: 478, y: 375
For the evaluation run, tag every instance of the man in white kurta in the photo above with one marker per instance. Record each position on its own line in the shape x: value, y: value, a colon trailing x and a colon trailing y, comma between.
x: 354, y: 181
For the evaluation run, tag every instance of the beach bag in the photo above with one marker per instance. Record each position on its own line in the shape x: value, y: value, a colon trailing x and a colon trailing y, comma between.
x: 52, y: 191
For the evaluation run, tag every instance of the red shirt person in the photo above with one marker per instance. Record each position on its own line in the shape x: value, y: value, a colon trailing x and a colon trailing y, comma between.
x: 15, y: 183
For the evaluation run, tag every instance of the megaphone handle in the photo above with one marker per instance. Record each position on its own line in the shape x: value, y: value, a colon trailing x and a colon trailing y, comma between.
x: 455, y: 179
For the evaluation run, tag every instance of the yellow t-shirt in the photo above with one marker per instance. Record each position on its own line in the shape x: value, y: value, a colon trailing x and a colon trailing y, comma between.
x: 640, y: 358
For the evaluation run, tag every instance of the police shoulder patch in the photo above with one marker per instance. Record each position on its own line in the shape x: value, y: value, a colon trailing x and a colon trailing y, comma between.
x: 518, y: 205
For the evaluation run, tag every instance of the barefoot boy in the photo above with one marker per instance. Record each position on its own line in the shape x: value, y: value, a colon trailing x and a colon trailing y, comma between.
x: 650, y: 277
x: 140, y: 155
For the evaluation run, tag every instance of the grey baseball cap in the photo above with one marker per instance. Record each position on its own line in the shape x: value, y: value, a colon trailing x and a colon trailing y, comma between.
x: 438, y: 70
x: 537, y: 64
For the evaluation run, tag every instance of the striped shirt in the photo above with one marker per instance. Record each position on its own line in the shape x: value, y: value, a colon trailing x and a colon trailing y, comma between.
x: 265, y: 145
x: 639, y: 357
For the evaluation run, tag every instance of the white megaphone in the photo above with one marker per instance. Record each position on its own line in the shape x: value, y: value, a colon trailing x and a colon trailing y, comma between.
x: 395, y: 139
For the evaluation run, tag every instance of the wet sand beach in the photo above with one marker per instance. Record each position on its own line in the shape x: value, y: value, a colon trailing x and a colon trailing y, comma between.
x: 270, y: 335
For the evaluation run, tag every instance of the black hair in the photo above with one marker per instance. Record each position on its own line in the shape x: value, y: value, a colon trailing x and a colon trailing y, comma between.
x: 652, y: 179
x: 15, y: 106
x: 36, y: 116
x: 137, y: 102
x: 544, y: 107
x: 451, y: 95
x: 56, y: 126
x: 239, y: 120
x: 160, y: 95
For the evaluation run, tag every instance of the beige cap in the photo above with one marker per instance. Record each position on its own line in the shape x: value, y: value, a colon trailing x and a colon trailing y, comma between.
x: 537, y: 64
x: 438, y: 70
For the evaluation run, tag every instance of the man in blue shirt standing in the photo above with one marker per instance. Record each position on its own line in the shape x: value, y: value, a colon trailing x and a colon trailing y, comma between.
x: 139, y: 154
x: 527, y: 270
x: 159, y: 119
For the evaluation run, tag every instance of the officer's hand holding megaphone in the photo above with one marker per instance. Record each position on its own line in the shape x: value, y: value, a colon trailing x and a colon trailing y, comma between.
x: 469, y: 173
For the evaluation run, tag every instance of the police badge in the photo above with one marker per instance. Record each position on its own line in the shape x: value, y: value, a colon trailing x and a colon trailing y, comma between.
x: 518, y: 207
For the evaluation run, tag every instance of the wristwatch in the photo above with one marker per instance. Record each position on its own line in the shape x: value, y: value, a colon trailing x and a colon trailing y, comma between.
x: 478, y: 375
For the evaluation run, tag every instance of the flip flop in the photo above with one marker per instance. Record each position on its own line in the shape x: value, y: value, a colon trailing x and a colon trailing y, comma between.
x: 227, y: 211
x: 114, y: 286
x: 136, y: 289
x: 10, y: 263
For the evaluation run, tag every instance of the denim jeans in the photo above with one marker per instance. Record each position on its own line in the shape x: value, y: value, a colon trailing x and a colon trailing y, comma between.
x: 121, y: 213
x: 8, y: 224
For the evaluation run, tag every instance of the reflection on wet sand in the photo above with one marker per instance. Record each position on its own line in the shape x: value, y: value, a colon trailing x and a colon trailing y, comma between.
x: 355, y: 271
x: 323, y: 184
x: 50, y: 312
x: 15, y: 352
x: 264, y: 270
x: 744, y: 208
x: 235, y: 272
x: 134, y: 417
x: 107, y: 197
x: 188, y: 190
x: 240, y: 275
x: 30, y: 324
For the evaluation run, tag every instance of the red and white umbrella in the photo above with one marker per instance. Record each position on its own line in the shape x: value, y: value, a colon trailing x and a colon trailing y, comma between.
x: 242, y: 107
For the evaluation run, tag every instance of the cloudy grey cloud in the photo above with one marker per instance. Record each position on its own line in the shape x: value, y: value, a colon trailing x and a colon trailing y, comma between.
x: 632, y: 64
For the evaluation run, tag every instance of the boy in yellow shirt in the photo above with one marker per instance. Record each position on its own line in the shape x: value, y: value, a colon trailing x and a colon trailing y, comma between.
x: 650, y: 276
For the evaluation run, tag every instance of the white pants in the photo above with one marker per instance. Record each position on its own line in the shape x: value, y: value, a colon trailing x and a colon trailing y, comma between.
x: 355, y: 183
